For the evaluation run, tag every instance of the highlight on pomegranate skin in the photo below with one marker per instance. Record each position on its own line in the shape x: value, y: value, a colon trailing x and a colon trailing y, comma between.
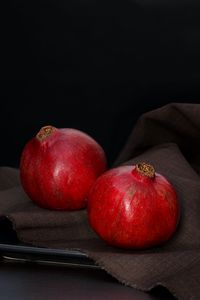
x: 133, y: 207
x: 59, y: 166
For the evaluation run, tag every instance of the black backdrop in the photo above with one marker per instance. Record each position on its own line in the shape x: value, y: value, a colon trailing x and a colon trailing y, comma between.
x: 94, y: 65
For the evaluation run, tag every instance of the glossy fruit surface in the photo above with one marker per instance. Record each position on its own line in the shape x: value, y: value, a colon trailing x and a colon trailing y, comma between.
x: 133, y: 207
x: 59, y: 166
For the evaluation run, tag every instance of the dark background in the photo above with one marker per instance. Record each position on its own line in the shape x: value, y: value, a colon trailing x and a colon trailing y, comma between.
x: 94, y: 65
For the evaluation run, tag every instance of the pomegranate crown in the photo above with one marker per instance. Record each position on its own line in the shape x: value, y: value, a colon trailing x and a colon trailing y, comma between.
x: 145, y: 169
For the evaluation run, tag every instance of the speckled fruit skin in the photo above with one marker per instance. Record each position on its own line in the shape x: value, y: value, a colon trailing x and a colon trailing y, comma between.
x: 130, y: 210
x: 59, y: 166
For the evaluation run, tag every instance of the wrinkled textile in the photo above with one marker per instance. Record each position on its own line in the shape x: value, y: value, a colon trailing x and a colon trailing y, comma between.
x: 168, y: 138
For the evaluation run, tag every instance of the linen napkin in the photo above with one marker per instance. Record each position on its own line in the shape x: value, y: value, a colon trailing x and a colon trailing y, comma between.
x: 168, y: 138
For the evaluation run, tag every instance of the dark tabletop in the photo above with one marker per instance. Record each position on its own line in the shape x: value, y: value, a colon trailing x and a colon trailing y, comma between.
x: 32, y: 281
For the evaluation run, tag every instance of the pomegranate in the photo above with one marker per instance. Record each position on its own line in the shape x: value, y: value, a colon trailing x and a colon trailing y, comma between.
x: 59, y: 166
x: 133, y: 207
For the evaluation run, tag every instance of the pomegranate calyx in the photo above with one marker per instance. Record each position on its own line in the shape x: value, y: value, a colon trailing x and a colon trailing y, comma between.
x: 45, y: 132
x: 145, y: 169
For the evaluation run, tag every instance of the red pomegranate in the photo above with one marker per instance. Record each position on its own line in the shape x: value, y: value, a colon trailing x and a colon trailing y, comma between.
x: 59, y: 166
x: 133, y: 207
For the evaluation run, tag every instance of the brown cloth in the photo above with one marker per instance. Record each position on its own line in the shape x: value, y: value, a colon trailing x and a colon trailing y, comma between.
x: 168, y: 138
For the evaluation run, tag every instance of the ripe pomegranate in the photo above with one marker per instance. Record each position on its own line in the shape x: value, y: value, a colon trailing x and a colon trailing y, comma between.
x: 133, y: 207
x: 59, y: 166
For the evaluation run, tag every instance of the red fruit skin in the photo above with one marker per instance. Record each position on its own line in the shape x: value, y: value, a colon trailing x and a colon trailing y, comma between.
x: 58, y: 171
x: 130, y: 210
